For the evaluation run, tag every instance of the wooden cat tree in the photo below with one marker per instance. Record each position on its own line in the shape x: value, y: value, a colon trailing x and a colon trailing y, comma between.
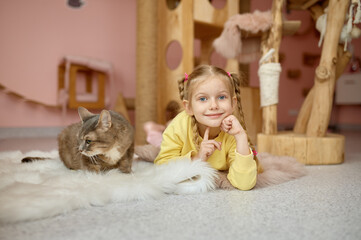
x: 309, y: 142
x: 158, y: 26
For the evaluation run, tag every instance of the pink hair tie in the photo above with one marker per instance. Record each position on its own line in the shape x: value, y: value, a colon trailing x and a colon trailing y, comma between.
x: 229, y: 74
x: 254, y: 152
x: 186, y: 77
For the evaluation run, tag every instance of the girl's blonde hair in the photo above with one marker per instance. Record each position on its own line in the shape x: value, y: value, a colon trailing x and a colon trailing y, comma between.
x: 200, y: 74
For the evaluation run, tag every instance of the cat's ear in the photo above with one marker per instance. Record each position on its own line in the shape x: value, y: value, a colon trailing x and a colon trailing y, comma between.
x: 105, y: 121
x: 84, y: 113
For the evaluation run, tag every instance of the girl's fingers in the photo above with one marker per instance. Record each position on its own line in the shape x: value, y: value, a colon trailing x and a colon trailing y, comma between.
x: 218, y: 145
x: 228, y: 119
x: 208, y: 146
x: 225, y: 125
x: 225, y: 128
x: 206, y: 134
x: 212, y: 144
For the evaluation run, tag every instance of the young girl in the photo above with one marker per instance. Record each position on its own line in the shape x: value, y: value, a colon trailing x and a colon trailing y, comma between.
x: 208, y: 130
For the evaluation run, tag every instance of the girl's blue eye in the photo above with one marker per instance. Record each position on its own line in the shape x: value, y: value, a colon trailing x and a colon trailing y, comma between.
x: 202, y: 99
x: 222, y: 97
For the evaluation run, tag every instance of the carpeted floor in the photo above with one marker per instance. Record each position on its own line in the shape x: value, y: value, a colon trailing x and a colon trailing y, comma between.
x: 325, y: 204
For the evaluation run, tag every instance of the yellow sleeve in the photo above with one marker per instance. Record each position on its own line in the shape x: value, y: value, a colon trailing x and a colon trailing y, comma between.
x: 242, y: 171
x: 172, y: 145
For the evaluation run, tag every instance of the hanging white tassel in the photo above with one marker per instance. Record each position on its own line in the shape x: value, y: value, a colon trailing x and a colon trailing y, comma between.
x: 349, y: 21
x: 358, y: 12
x: 348, y: 26
x: 321, y: 27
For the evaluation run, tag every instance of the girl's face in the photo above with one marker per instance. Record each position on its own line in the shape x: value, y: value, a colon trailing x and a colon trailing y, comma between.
x: 211, y: 102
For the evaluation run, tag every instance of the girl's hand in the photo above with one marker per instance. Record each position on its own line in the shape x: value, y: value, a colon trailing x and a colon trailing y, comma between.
x: 232, y: 126
x: 207, y: 147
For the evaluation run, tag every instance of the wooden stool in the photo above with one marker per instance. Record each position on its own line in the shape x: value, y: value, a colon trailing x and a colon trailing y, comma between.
x: 88, y: 100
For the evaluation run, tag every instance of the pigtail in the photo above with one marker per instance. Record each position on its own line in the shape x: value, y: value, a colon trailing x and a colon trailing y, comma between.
x: 196, y: 137
x: 236, y: 85
x: 181, y: 88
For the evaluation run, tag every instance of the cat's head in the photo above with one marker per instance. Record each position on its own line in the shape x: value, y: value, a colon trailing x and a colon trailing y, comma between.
x: 96, y: 136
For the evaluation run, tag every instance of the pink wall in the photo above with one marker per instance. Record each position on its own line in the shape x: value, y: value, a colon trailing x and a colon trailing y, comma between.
x: 36, y: 34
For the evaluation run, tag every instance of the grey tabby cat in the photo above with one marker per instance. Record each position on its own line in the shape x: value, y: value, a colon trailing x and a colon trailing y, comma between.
x: 99, y: 142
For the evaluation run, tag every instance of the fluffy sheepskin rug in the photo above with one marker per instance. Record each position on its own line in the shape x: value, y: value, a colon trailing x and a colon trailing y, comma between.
x: 47, y: 188
x: 276, y: 169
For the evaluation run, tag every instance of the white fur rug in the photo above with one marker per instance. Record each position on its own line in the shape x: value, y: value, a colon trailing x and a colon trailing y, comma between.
x: 47, y: 188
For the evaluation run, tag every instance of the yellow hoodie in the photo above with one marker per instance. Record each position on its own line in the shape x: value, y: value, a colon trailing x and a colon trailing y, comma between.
x: 177, y: 143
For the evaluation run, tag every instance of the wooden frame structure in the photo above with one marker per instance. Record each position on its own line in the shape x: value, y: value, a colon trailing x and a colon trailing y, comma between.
x: 309, y: 142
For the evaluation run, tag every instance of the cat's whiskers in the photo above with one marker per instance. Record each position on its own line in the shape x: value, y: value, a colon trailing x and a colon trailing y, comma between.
x: 93, y: 159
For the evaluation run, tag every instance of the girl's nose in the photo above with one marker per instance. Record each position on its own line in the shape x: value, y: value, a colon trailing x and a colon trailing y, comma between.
x: 214, y: 104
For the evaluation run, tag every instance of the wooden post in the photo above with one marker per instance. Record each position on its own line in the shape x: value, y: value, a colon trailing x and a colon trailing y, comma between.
x: 146, y: 76
x: 325, y: 72
x: 343, y: 59
x: 272, y: 39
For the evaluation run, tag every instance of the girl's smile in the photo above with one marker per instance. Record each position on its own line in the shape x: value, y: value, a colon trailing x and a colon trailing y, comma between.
x: 214, y: 115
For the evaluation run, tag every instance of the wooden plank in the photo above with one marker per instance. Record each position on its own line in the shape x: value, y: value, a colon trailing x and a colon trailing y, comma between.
x: 308, y: 150
x: 204, y: 12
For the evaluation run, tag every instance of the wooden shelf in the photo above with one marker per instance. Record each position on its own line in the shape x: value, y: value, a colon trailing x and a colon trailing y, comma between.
x: 203, y: 30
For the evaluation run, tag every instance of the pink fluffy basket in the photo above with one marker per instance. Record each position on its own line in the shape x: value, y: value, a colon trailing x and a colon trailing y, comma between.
x: 229, y: 44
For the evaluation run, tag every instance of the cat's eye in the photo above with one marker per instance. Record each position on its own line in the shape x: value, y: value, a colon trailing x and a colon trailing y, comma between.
x: 88, y: 141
